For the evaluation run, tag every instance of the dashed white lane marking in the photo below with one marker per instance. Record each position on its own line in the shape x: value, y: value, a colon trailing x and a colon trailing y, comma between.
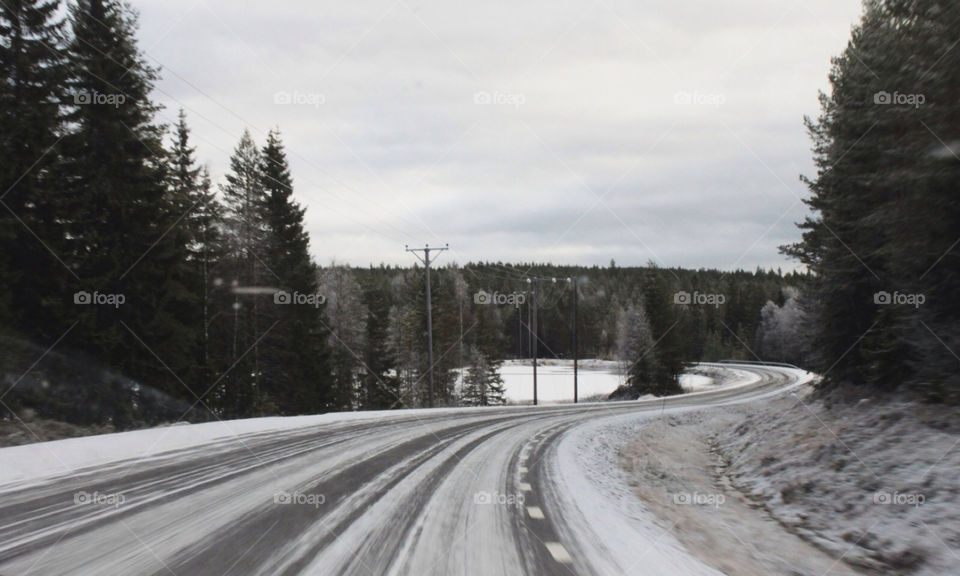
x: 535, y: 512
x: 558, y: 552
x: 524, y: 487
x: 523, y: 469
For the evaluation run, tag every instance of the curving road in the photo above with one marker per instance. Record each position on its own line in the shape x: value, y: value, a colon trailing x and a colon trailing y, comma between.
x: 473, y: 491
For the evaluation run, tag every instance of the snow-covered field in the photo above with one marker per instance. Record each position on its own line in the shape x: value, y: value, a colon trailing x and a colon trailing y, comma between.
x: 598, y: 378
x: 555, y: 380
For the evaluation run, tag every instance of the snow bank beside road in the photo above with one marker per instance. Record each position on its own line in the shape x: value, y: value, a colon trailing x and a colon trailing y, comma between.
x: 606, y: 520
x: 32, y: 462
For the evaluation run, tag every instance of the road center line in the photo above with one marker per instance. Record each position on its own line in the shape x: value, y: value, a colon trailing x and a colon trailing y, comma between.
x: 558, y: 552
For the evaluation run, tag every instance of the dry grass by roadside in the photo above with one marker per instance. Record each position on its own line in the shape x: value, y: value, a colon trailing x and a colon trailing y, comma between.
x: 682, y: 482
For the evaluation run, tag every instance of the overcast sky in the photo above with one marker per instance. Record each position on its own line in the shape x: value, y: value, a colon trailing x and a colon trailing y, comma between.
x: 569, y: 132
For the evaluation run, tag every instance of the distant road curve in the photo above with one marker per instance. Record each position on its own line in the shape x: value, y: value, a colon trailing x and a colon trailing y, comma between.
x: 450, y: 492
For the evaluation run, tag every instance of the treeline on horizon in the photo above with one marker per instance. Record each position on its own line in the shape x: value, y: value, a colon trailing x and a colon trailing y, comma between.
x: 653, y: 320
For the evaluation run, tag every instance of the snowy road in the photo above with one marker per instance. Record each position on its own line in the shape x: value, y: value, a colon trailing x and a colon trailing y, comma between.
x: 450, y: 492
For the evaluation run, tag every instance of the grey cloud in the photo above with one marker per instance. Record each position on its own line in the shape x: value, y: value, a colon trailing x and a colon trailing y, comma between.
x: 615, y: 98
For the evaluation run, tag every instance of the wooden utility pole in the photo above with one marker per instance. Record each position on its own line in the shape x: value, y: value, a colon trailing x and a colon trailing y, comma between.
x: 426, y: 263
x: 573, y: 282
x: 536, y: 345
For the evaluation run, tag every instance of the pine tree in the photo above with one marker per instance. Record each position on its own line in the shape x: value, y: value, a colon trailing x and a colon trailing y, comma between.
x: 838, y: 246
x: 246, y: 230
x: 636, y: 351
x: 201, y: 231
x: 482, y: 385
x: 121, y: 215
x: 33, y: 60
x: 407, y: 335
x: 925, y: 255
x: 665, y: 324
x: 184, y: 174
x: 446, y: 300
x: 296, y: 371
x: 883, y: 201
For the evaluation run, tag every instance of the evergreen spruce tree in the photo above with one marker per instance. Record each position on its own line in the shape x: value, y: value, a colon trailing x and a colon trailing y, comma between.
x: 121, y: 216
x: 668, y: 334
x: 201, y: 232
x: 637, y: 352
x: 883, y: 201
x: 446, y: 333
x: 482, y: 385
x: 925, y: 254
x: 296, y: 371
x: 245, y: 200
x: 407, y: 335
x: 33, y: 60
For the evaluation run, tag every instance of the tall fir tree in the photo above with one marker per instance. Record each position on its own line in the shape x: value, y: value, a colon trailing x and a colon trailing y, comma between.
x: 121, y: 215
x: 883, y: 202
x: 926, y: 253
x: 665, y: 323
x: 296, y: 366
x: 200, y: 230
x: 32, y: 96
x: 407, y: 335
x: 482, y: 384
x: 637, y: 351
x: 245, y: 200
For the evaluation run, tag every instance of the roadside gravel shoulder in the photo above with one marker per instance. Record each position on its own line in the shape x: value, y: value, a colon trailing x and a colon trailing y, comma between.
x: 678, y: 475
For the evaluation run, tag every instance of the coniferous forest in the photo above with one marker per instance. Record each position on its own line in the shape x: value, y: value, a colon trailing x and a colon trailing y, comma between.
x: 137, y: 290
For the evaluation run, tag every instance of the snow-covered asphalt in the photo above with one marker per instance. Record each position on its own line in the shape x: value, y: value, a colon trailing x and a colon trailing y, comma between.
x: 448, y: 492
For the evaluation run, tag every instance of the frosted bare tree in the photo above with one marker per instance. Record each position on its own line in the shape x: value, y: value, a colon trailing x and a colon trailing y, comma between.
x: 780, y: 336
